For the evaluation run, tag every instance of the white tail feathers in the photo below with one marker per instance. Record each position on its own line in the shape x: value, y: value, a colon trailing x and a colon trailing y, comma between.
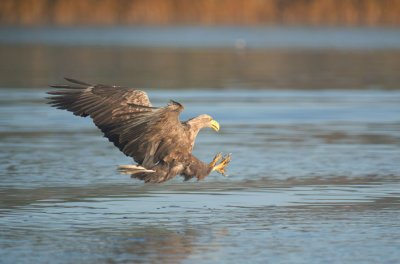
x: 133, y: 169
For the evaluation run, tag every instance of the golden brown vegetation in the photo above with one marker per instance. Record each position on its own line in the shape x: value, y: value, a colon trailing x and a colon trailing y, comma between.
x: 200, y: 12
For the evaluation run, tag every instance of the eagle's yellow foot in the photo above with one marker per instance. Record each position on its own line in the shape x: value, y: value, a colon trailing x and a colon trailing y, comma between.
x: 216, y: 159
x: 220, y: 168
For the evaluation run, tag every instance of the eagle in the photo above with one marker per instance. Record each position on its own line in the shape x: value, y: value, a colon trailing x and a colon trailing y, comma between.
x: 158, y: 142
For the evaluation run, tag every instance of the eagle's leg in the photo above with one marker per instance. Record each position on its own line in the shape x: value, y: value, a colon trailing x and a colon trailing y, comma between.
x: 220, y: 168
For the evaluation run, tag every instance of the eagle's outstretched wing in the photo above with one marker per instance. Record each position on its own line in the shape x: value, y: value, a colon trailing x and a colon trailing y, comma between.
x: 127, y: 118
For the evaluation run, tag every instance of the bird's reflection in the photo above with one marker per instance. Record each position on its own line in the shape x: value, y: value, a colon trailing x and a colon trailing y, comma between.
x: 155, y: 244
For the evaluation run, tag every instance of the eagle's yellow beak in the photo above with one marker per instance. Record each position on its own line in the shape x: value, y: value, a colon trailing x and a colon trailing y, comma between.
x: 215, y: 125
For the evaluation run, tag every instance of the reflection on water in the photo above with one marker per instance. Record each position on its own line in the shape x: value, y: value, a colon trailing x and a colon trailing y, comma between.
x: 176, y: 68
x: 193, y: 57
x: 314, y: 178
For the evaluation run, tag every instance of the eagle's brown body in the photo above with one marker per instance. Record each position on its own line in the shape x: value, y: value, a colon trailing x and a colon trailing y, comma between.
x: 153, y: 136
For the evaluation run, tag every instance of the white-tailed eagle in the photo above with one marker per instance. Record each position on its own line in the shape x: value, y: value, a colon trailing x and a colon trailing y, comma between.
x: 153, y: 136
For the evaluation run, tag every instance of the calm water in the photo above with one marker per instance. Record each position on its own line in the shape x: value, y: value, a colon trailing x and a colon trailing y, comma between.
x: 314, y: 176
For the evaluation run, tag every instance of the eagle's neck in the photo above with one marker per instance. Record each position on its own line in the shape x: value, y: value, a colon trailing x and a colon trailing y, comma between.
x: 192, y: 129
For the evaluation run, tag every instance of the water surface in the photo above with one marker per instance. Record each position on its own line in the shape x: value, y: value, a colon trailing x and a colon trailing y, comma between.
x: 314, y: 178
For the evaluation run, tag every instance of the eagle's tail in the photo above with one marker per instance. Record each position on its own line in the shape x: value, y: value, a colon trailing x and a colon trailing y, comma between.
x: 133, y: 169
x: 141, y: 173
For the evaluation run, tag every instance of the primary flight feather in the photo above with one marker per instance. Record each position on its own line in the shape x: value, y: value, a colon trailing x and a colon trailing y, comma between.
x: 153, y: 136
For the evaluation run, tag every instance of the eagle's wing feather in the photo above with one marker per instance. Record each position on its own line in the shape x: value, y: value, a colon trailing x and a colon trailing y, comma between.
x: 127, y: 118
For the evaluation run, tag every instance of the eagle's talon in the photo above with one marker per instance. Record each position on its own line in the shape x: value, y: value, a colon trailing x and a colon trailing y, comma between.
x: 216, y: 158
x: 220, y: 168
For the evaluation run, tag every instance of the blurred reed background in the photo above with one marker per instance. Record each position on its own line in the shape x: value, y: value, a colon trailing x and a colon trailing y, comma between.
x: 200, y: 12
